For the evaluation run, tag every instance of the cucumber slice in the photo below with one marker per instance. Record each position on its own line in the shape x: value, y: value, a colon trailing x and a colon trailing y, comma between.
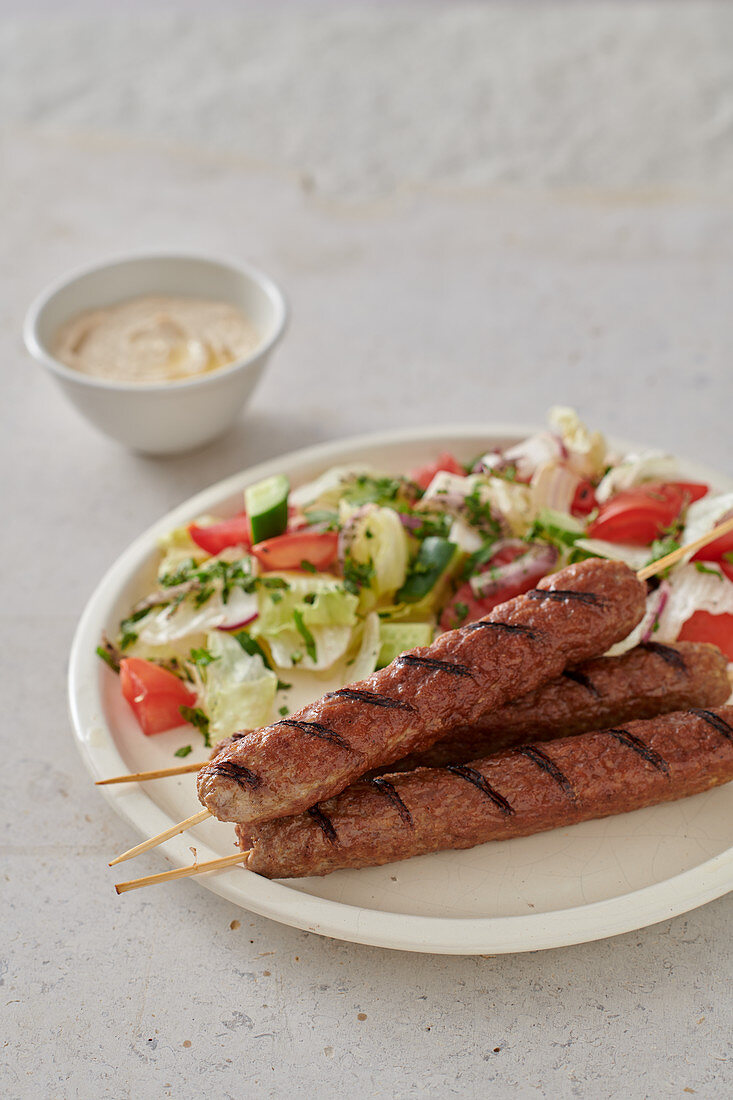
x: 395, y: 638
x: 267, y: 507
x: 433, y: 558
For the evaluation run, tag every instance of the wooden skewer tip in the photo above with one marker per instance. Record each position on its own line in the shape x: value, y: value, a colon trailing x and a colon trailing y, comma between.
x: 181, y: 872
x: 682, y: 552
x: 154, y: 841
x: 141, y: 777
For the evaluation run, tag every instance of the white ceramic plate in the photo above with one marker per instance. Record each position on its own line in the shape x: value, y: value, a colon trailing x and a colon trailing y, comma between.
x: 567, y: 886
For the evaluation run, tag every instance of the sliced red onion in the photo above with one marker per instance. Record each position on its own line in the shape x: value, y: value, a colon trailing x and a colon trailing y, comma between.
x: 227, y: 627
x: 410, y: 522
x: 536, y: 563
x: 663, y: 594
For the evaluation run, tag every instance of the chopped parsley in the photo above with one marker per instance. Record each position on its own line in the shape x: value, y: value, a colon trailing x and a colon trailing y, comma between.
x: 128, y: 636
x: 202, y: 657
x: 309, y: 640
x: 703, y: 568
x: 373, y: 490
x: 197, y: 717
x: 183, y: 751
x: 479, y: 514
x: 479, y: 557
x: 460, y: 610
x: 108, y: 657
x: 283, y: 711
x: 357, y: 574
x: 434, y: 524
x: 282, y: 686
x: 322, y: 517
x: 661, y: 547
x: 252, y: 646
x: 308, y: 567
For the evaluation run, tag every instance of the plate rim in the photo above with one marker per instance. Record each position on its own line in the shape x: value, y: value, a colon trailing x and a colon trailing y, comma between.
x: 337, y: 919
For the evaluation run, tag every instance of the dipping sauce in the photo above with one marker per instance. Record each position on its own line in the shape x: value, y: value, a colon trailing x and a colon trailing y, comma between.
x: 155, y: 339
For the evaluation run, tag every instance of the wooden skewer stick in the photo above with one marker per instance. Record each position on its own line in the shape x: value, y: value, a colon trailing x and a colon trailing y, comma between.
x: 154, y: 841
x: 671, y: 559
x: 141, y: 777
x: 181, y: 872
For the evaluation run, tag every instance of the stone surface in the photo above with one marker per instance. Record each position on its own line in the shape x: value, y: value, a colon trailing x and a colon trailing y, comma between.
x: 475, y: 210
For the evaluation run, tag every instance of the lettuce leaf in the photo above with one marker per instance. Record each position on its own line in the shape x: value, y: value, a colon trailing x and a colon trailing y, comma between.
x: 238, y: 692
x: 326, y: 616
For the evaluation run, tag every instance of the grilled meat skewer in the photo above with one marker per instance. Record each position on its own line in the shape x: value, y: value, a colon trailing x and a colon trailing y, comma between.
x: 573, y: 615
x: 526, y: 790
x: 648, y: 680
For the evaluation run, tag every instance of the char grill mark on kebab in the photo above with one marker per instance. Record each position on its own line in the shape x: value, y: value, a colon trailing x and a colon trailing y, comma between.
x: 667, y: 652
x: 716, y: 721
x: 463, y: 675
x: 584, y: 681
x: 607, y: 772
x: 641, y: 747
x: 560, y: 595
x: 545, y: 764
x: 370, y: 697
x: 475, y: 777
x: 432, y: 665
x: 385, y: 787
x: 316, y: 729
x: 506, y: 628
x: 324, y: 823
x: 243, y: 777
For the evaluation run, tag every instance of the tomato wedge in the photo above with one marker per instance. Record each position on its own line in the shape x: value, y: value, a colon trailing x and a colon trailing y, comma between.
x: 289, y: 551
x: 219, y: 536
x: 703, y: 626
x: 155, y: 695
x: 444, y: 463
x: 466, y: 607
x: 584, y: 500
x: 715, y: 550
x: 641, y: 515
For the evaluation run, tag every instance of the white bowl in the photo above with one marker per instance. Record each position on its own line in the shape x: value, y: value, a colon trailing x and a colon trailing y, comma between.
x: 169, y: 417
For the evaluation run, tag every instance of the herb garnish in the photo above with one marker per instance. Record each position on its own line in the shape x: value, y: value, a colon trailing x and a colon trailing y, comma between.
x: 660, y: 548
x: 479, y: 514
x: 198, y: 718
x: 460, y: 610
x: 703, y: 568
x: 252, y: 646
x: 108, y: 656
x: 434, y: 524
x: 308, y: 567
x: 202, y: 657
x: 183, y: 751
x: 322, y: 517
x: 310, y: 642
x: 128, y: 636
x: 373, y: 490
x: 357, y: 574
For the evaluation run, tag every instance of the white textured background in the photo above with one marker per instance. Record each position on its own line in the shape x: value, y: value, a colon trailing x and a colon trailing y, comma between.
x: 475, y: 210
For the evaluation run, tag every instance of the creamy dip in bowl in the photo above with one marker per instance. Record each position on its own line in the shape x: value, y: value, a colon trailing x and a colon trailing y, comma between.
x: 155, y: 338
x: 160, y: 351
